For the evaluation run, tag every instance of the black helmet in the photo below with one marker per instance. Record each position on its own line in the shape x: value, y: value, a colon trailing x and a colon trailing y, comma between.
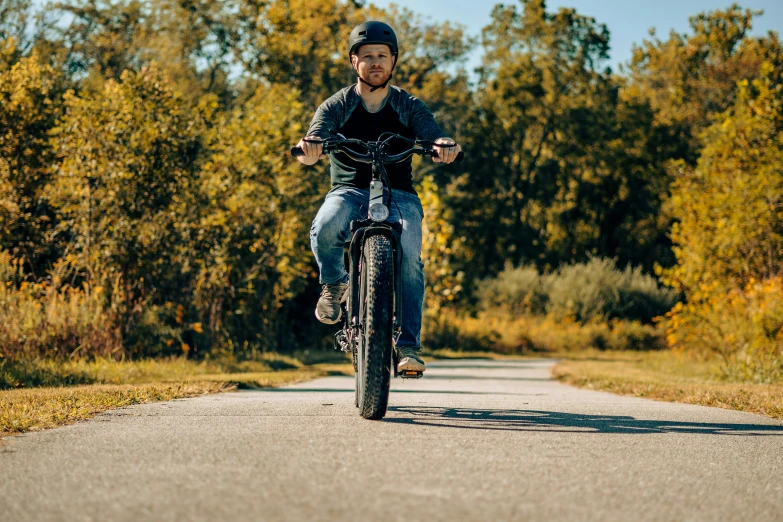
x: 372, y: 33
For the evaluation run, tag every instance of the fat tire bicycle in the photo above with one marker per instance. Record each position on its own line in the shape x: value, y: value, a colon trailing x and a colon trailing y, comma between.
x: 373, y: 309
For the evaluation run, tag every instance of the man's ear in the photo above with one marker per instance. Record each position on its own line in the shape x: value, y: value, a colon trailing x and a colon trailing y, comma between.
x: 354, y: 59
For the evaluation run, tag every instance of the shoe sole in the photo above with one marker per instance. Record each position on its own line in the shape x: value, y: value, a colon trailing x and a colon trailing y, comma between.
x: 324, y: 320
x: 410, y: 365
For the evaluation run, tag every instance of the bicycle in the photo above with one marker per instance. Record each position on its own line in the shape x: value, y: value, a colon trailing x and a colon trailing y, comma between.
x: 373, y: 310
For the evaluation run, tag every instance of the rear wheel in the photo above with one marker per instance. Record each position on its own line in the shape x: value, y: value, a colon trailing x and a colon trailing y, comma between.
x: 375, y: 344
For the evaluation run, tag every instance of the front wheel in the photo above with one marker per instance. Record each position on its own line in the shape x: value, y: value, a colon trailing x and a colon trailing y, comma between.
x: 376, y: 299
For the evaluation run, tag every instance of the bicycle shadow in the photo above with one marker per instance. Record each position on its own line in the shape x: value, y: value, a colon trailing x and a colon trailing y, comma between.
x: 551, y: 421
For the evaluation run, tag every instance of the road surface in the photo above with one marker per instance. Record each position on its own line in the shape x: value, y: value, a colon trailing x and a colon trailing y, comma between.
x: 473, y: 440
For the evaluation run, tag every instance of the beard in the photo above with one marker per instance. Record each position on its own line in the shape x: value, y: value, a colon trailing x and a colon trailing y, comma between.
x: 376, y: 79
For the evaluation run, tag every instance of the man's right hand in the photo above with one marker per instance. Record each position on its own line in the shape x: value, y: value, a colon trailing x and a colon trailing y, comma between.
x: 313, y: 149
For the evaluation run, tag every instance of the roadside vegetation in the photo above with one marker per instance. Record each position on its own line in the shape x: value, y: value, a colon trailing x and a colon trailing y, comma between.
x: 583, y: 306
x: 670, y: 376
x: 44, y: 393
x: 609, y: 334
x: 40, y: 408
x: 153, y: 229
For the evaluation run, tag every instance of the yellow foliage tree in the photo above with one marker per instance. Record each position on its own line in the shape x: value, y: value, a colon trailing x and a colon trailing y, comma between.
x: 27, y: 112
x: 254, y: 208
x: 729, y: 235
x: 439, y: 247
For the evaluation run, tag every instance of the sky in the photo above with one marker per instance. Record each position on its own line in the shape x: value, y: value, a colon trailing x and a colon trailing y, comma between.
x: 628, y: 20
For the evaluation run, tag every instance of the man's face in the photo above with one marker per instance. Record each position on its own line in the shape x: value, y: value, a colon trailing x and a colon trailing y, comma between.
x: 374, y: 63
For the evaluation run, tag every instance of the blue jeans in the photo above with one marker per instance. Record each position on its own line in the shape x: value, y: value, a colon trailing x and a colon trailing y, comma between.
x: 331, y: 229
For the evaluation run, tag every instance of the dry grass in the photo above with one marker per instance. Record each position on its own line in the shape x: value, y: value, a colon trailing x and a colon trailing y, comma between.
x: 670, y: 377
x: 139, y: 382
x: 499, y: 332
x: 40, y: 408
x: 37, y: 372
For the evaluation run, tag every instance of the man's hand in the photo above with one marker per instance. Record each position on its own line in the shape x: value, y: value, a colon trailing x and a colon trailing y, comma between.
x: 446, y: 154
x: 313, y: 151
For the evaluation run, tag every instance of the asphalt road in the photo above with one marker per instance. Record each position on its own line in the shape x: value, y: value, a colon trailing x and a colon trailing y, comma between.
x: 473, y: 440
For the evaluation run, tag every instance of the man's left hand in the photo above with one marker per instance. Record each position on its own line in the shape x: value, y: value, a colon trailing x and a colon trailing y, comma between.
x: 446, y: 154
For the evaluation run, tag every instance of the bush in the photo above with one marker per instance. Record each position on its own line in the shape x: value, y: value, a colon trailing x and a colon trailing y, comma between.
x: 52, y: 318
x: 744, y: 329
x: 597, y: 290
x: 516, y: 290
x: 592, y: 291
x: 728, y: 238
x: 451, y: 331
x: 501, y: 333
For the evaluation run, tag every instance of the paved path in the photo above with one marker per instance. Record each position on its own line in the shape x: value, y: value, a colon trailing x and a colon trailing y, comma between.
x: 474, y: 440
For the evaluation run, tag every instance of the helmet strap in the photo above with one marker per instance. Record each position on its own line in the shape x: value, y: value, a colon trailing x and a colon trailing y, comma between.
x: 374, y: 88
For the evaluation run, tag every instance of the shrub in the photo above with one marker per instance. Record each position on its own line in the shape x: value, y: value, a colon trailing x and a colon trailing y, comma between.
x: 597, y: 290
x: 515, y: 290
x: 51, y: 318
x: 501, y: 333
x: 449, y: 330
x: 728, y: 238
x: 592, y: 291
x: 744, y: 328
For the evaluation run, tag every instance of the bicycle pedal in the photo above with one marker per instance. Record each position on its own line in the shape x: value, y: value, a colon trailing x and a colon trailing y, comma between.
x: 410, y: 374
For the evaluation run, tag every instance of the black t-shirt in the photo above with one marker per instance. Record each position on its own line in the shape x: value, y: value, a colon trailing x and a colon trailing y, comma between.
x: 368, y: 126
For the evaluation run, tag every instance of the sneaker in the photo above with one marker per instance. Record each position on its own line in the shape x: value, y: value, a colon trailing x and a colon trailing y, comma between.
x: 409, y: 359
x: 328, y: 309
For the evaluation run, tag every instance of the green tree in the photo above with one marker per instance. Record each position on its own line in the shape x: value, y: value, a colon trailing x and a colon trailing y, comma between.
x: 14, y: 17
x: 560, y: 166
x: 196, y: 42
x: 192, y: 41
x: 687, y: 79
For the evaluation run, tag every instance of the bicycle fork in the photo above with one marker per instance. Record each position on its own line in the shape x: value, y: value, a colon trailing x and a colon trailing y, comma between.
x: 346, y: 338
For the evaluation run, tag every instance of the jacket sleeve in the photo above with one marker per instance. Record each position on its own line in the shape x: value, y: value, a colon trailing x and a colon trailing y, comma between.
x: 421, y: 121
x: 328, y: 118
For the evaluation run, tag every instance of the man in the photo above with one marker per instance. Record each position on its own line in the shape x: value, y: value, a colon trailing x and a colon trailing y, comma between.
x: 364, y: 111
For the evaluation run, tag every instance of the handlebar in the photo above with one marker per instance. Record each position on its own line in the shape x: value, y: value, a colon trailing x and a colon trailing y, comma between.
x: 423, y: 148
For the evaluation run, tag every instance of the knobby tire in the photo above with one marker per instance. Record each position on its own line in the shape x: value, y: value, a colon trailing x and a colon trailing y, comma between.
x: 375, y: 350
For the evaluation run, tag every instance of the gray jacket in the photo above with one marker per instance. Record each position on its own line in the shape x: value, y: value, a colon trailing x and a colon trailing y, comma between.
x: 414, y: 114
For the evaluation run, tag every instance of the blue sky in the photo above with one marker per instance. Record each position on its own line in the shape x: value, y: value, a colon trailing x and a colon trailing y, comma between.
x: 628, y: 20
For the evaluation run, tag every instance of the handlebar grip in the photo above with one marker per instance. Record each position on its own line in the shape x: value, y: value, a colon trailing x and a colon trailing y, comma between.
x: 458, y: 159
x: 297, y: 152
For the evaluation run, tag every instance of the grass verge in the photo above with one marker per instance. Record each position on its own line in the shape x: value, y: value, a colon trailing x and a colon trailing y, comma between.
x: 85, y: 389
x: 39, y: 408
x: 668, y: 376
